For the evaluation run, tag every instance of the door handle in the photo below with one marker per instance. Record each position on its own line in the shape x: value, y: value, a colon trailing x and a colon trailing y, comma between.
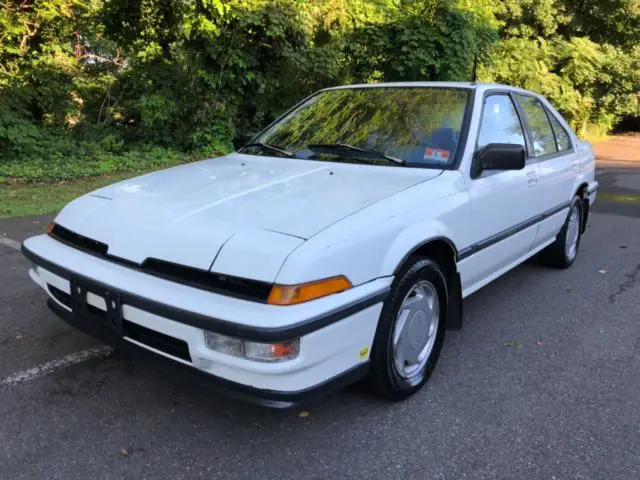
x: 532, y: 178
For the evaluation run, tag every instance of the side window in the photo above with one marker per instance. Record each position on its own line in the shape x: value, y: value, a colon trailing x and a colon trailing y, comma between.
x: 544, y: 141
x: 500, y: 122
x: 562, y: 137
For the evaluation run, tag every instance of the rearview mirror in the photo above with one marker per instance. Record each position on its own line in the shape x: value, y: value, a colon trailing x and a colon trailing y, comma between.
x: 499, y: 156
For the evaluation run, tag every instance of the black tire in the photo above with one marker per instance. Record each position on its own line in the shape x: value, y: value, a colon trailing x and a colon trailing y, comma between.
x: 555, y: 255
x: 384, y: 379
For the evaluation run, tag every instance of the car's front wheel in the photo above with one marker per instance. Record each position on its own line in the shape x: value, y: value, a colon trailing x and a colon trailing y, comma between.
x: 563, y: 252
x: 410, y: 330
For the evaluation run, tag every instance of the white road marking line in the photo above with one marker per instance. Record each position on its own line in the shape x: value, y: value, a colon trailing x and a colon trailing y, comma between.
x: 54, y: 365
x: 10, y: 243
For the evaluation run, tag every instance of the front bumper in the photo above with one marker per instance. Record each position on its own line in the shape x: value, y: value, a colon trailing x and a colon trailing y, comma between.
x: 165, y: 320
x: 263, y: 397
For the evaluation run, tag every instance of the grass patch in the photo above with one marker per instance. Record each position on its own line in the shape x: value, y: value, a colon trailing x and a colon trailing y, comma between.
x: 42, y: 185
x: 91, y: 163
x: 617, y: 198
x: 21, y: 200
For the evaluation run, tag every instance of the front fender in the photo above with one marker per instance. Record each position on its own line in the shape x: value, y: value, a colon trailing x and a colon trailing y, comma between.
x: 411, y: 239
x: 373, y: 242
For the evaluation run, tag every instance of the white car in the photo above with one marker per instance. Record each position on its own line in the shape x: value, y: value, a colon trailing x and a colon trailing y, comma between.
x: 337, y: 245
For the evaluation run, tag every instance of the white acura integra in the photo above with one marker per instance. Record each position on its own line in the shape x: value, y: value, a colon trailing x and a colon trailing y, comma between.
x: 337, y: 245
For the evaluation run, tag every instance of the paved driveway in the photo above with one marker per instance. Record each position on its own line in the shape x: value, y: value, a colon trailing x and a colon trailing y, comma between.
x: 543, y: 382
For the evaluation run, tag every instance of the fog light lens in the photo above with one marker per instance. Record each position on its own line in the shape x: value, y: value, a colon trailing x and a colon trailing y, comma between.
x: 261, y: 352
x: 224, y: 344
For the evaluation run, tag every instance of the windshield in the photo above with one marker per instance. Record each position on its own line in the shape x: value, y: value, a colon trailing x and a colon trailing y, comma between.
x: 417, y: 126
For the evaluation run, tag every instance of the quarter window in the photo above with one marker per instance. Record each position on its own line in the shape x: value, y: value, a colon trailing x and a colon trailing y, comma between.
x: 562, y: 137
x: 543, y: 139
x: 500, y: 122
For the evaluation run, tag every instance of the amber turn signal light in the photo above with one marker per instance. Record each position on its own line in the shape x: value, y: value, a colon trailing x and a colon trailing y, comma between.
x: 50, y: 228
x: 293, y: 294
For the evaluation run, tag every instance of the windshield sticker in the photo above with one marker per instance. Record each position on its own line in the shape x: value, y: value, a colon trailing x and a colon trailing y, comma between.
x: 435, y: 155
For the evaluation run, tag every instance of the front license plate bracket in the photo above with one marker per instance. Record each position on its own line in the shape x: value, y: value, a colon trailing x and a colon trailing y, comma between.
x: 110, y: 318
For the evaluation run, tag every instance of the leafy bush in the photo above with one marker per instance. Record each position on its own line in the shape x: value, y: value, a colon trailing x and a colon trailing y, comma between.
x: 89, y: 87
x: 573, y: 54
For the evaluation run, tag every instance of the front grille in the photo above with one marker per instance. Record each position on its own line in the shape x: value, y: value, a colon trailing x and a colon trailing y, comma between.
x: 227, y: 285
x: 164, y: 343
x: 245, y: 289
x: 63, y: 297
x: 78, y: 241
x: 95, y: 310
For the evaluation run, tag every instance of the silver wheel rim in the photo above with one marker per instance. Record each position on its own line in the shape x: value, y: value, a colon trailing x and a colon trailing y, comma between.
x: 573, y: 232
x: 415, y: 332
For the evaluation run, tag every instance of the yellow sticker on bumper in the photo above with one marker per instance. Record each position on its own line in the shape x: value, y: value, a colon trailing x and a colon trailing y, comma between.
x: 364, y: 353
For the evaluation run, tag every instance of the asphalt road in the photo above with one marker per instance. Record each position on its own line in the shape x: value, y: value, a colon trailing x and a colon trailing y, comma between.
x: 543, y: 382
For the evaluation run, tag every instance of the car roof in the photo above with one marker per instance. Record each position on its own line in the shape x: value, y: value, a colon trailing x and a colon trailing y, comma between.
x: 479, y: 86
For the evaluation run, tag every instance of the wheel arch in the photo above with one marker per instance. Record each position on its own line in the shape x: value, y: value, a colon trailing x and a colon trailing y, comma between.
x: 443, y: 251
x: 581, y: 191
x: 440, y: 247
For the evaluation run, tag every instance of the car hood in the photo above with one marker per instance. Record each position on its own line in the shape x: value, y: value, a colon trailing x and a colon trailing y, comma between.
x: 235, y: 205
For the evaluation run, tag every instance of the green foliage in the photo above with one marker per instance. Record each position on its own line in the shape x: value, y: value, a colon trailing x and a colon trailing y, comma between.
x: 570, y: 52
x: 615, y: 22
x: 88, y: 86
x: 421, y: 40
x: 88, y: 160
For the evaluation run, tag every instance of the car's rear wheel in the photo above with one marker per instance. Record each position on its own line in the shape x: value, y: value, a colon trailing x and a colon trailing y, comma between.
x: 563, y: 252
x: 410, y: 331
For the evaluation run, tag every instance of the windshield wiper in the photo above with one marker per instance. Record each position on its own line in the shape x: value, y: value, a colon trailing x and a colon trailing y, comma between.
x: 273, y: 148
x: 352, y: 148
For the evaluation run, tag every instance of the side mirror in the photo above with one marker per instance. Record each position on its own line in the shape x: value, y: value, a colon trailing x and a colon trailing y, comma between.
x: 499, y: 156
